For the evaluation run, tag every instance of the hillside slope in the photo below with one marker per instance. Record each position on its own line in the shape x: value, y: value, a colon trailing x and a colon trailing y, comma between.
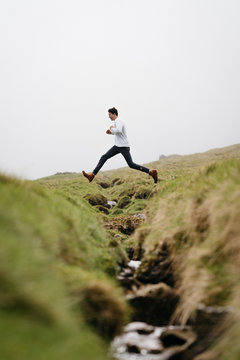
x: 55, y: 261
x: 62, y: 246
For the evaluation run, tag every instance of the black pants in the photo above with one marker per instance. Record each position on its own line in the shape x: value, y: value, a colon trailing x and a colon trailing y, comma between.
x: 125, y: 151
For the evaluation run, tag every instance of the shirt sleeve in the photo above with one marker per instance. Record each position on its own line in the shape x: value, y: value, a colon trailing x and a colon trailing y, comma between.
x: 118, y: 128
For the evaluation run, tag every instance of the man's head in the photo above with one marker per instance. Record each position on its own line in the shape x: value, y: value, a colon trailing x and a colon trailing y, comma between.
x: 113, y: 113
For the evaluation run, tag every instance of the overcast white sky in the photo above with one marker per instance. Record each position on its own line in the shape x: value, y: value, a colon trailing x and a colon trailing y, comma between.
x: 170, y: 67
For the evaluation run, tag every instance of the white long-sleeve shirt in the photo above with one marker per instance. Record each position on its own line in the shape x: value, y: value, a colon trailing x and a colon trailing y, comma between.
x: 119, y: 131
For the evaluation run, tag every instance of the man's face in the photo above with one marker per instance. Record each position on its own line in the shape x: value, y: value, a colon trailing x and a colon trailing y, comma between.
x: 112, y: 116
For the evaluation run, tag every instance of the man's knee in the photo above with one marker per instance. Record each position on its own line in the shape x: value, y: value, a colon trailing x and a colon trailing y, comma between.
x: 104, y: 157
x: 131, y: 164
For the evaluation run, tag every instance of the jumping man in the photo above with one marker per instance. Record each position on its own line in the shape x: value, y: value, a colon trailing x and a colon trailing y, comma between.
x: 121, y: 146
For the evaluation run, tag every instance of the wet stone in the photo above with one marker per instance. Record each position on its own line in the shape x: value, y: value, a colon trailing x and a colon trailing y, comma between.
x: 145, y: 341
x: 126, y: 272
x: 111, y: 203
x: 134, y: 264
x: 126, y: 276
x: 138, y: 338
x: 139, y: 327
x: 140, y: 216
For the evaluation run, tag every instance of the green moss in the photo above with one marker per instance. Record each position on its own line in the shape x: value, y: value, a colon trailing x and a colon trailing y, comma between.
x: 23, y: 338
x: 40, y: 231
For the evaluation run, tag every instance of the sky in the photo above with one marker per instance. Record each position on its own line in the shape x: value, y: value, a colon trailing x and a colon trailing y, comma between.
x: 170, y: 67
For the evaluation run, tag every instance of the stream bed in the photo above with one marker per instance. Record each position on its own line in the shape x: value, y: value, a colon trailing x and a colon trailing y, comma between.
x: 149, y: 336
x: 140, y: 341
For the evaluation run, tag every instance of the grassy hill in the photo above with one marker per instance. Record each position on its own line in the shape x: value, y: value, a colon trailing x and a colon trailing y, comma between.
x: 54, y: 258
x: 61, y: 248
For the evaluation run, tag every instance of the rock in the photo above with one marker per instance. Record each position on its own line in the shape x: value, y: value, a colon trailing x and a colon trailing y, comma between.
x: 139, y: 327
x: 153, y: 304
x: 127, y: 279
x: 140, y: 216
x: 111, y: 203
x: 141, y: 338
x: 138, y: 338
x: 134, y: 264
x: 126, y: 272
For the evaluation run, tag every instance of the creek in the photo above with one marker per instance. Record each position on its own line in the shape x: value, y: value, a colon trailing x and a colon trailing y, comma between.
x: 149, y: 336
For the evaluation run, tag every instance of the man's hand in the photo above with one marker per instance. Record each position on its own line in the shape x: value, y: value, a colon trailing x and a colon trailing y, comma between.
x: 108, y: 132
x: 111, y: 127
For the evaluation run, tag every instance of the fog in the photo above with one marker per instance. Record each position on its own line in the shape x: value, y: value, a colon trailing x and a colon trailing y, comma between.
x: 171, y: 68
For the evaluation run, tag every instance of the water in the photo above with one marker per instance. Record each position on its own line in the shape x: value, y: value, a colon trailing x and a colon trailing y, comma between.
x: 134, y: 264
x: 140, y: 341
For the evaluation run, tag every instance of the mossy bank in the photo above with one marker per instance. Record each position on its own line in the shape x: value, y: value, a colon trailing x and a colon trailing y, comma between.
x: 56, y: 275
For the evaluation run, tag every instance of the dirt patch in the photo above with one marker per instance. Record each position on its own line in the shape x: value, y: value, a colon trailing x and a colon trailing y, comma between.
x: 153, y: 304
x: 104, y: 185
x: 96, y: 199
x: 124, y: 224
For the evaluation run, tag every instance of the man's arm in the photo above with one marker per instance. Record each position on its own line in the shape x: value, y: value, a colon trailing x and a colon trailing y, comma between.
x: 117, y: 129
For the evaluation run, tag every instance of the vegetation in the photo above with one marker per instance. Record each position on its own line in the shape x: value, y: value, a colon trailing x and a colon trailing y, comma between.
x: 62, y: 245
x: 54, y: 253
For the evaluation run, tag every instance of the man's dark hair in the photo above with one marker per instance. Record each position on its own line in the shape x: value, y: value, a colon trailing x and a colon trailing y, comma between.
x: 113, y: 111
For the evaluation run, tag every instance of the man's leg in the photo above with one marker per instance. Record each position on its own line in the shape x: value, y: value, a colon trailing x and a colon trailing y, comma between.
x: 125, y: 151
x: 110, y: 153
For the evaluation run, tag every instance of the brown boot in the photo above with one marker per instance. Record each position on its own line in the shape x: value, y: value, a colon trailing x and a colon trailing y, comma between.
x: 154, y: 175
x: 89, y: 176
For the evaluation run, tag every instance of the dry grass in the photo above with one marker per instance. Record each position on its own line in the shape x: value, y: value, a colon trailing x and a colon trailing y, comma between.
x: 199, y: 216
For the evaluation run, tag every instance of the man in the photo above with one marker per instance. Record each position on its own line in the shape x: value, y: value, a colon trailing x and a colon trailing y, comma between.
x: 121, y: 146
